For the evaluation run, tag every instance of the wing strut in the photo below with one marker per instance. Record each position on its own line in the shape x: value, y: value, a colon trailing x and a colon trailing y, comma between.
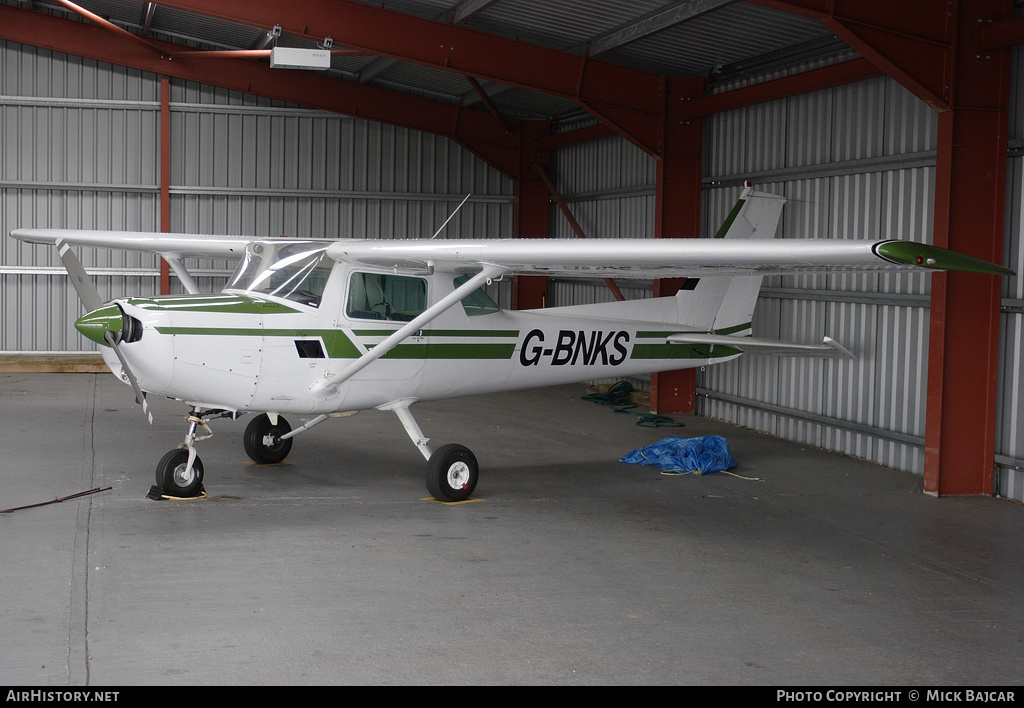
x: 328, y: 387
x: 174, y: 261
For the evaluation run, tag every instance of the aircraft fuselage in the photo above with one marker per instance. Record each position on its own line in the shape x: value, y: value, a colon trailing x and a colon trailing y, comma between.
x: 243, y: 352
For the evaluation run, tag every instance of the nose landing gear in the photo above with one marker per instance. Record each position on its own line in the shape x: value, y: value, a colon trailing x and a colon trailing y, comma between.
x: 180, y: 472
x: 178, y: 476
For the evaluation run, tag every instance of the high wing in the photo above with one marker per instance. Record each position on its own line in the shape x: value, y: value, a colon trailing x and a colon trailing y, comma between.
x: 175, y: 244
x: 627, y: 258
x: 658, y: 258
x: 172, y: 247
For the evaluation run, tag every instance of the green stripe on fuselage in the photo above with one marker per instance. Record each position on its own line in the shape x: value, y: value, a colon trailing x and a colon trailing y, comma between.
x: 451, y: 351
x: 339, y: 346
x: 214, y: 302
x: 496, y: 333
x: 448, y: 350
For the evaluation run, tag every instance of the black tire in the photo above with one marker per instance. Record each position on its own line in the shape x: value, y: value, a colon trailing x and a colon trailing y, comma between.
x: 170, y: 474
x: 255, y: 436
x: 452, y: 473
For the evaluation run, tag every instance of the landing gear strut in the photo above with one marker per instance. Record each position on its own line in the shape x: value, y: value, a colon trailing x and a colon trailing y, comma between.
x: 180, y: 472
x: 177, y: 477
x: 452, y: 470
x: 263, y: 439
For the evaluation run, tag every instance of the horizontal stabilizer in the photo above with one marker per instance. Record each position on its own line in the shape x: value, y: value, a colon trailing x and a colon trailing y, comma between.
x: 829, y: 347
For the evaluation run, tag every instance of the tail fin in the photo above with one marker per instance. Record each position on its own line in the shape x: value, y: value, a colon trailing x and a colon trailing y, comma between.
x: 725, y: 304
x: 755, y: 215
x: 718, y: 304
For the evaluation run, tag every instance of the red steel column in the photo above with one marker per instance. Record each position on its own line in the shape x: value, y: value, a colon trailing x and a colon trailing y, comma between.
x: 953, y: 55
x: 677, y: 215
x: 969, y: 218
x: 531, y: 213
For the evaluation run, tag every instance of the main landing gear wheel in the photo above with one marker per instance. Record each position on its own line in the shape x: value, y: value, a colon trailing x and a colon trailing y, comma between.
x: 262, y: 440
x: 452, y: 473
x: 174, y: 477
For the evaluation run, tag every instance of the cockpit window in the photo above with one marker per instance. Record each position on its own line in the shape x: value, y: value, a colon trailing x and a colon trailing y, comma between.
x: 384, y: 296
x: 297, y: 272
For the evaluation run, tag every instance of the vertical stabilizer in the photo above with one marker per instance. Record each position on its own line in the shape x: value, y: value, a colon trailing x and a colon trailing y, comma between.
x: 725, y: 304
x: 755, y: 215
x: 720, y: 304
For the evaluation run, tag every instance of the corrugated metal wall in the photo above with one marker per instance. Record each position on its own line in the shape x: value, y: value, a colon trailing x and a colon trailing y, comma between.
x: 81, y: 149
x: 1010, y: 414
x: 838, y: 156
x: 855, y: 161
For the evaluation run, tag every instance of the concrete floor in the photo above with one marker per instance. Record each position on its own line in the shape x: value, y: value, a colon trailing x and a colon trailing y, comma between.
x: 569, y: 568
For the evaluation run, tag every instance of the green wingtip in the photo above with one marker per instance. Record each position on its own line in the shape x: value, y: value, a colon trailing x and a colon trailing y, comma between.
x: 935, y: 258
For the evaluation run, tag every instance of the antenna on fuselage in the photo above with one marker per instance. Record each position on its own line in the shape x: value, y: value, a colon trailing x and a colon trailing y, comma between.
x: 452, y: 215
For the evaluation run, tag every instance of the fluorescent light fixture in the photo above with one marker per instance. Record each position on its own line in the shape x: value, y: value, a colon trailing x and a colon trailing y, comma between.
x: 289, y: 58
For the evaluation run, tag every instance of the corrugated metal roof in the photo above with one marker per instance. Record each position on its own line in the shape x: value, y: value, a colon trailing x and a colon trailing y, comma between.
x: 567, y: 25
x: 728, y: 35
x: 669, y: 37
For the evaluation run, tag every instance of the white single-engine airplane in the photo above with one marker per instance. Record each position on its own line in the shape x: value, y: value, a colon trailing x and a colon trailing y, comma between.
x: 325, y: 328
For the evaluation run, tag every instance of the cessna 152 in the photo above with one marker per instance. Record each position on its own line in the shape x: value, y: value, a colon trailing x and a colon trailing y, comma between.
x: 325, y: 328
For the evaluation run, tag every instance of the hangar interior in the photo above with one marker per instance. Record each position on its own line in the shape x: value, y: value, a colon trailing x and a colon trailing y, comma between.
x: 563, y: 120
x: 819, y: 562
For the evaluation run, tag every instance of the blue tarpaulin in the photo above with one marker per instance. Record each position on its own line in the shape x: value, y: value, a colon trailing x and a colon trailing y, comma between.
x: 702, y: 455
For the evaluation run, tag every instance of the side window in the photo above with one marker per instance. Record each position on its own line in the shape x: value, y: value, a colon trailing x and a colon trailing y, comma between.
x: 378, y: 296
x: 477, y: 302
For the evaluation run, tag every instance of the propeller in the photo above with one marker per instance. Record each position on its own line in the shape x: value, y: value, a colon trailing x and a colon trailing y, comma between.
x: 140, y: 397
x: 87, y: 292
x: 106, y: 324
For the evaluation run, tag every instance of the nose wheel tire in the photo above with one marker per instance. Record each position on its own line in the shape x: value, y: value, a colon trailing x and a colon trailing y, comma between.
x: 452, y: 473
x: 174, y: 477
x: 262, y: 440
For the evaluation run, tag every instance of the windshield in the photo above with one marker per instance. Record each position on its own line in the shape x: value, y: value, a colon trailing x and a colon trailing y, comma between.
x: 296, y: 271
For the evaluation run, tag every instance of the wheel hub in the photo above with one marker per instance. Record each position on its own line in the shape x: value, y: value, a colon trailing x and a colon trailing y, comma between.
x: 458, y: 475
x: 184, y: 475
